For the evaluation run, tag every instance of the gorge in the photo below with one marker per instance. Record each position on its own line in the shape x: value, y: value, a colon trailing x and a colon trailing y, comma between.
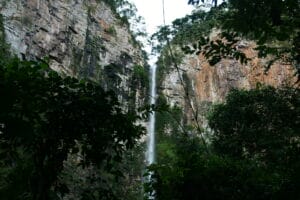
x: 76, y: 85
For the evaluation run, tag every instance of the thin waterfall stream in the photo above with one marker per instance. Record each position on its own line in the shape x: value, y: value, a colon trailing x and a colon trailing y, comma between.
x: 150, y: 157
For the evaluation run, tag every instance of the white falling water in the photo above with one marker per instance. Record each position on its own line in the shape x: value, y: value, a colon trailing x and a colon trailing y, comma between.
x: 151, y: 128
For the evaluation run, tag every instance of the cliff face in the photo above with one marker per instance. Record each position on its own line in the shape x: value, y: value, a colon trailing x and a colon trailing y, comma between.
x: 81, y: 38
x: 207, y: 84
x: 213, y: 83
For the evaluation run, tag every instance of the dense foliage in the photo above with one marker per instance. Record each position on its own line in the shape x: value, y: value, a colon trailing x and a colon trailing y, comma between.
x: 274, y: 25
x: 44, y: 117
x: 63, y: 136
x: 254, y: 153
x: 252, y: 125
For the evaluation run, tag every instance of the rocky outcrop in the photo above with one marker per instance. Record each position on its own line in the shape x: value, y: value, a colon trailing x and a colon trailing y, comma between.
x: 82, y: 38
x: 207, y: 84
x: 212, y: 83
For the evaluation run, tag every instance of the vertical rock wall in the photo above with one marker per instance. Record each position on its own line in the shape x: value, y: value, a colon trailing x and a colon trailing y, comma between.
x: 207, y: 84
x: 82, y: 38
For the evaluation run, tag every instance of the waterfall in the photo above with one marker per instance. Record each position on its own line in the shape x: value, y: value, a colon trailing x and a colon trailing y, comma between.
x: 151, y: 128
x: 150, y: 154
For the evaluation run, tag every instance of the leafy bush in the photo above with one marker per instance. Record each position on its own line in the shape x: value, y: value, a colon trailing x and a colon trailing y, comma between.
x: 254, y: 153
x: 44, y: 117
x: 253, y: 124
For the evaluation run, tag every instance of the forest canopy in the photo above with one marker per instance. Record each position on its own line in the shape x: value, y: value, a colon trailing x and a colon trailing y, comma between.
x: 48, y: 119
x: 253, y: 151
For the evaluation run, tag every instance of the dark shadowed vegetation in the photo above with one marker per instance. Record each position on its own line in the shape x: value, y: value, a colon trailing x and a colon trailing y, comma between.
x: 254, y: 150
x: 254, y: 153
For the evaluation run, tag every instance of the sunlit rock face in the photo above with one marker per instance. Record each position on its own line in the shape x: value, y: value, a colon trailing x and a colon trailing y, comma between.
x: 210, y: 84
x: 82, y: 38
x: 214, y: 82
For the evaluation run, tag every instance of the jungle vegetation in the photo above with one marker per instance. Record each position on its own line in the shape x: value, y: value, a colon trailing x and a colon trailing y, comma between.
x: 254, y: 149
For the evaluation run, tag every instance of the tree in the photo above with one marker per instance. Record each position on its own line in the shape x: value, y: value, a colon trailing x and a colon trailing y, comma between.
x: 254, y: 153
x: 261, y: 124
x: 45, y: 117
x: 255, y: 150
x: 272, y: 24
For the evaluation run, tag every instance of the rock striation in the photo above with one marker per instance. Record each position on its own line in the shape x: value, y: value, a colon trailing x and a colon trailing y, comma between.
x: 81, y: 38
x: 207, y: 84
